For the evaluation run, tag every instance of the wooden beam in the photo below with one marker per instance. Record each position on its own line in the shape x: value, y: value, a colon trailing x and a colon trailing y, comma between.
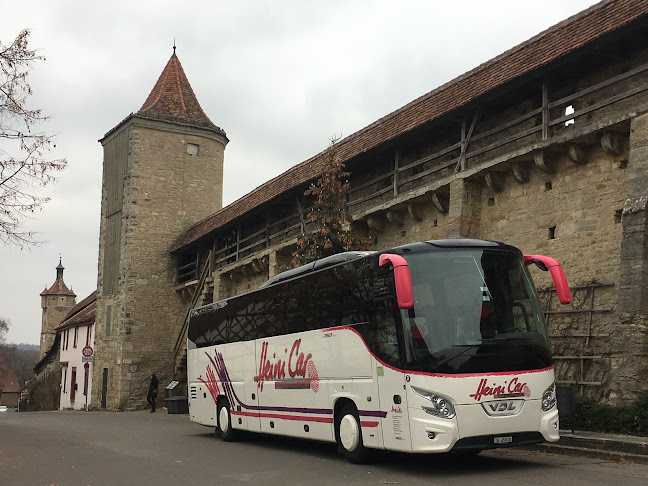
x: 545, y: 110
x: 597, y: 87
x: 465, y: 140
x: 396, y: 156
x: 238, y: 241
x: 300, y: 209
x: 601, y: 104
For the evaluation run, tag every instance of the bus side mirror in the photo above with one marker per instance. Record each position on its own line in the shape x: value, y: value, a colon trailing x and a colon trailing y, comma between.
x: 557, y: 275
x: 402, y: 279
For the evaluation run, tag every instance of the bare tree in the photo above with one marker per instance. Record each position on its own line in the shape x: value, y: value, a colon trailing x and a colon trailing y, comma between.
x: 331, y: 220
x: 23, y: 164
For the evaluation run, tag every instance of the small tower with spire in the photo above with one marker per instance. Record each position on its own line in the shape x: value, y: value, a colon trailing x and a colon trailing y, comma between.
x: 163, y: 172
x: 56, y: 302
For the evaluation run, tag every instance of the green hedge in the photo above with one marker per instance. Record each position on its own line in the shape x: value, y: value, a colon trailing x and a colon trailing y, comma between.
x: 590, y: 415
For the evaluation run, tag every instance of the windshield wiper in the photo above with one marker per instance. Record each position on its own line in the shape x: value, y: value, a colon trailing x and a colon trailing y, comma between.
x: 468, y: 348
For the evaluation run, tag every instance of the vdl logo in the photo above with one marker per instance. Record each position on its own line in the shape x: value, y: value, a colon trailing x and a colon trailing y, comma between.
x: 503, y: 407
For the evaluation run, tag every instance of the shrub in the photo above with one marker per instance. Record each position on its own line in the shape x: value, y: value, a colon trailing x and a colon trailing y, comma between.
x: 590, y: 415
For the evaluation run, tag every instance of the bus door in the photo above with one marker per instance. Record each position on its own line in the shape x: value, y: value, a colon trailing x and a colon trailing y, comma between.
x: 392, y: 391
x: 391, y: 338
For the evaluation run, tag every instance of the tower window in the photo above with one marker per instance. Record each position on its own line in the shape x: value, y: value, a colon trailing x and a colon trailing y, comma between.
x: 192, y: 148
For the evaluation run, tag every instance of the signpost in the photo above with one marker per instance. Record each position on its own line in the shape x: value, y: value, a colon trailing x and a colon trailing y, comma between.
x: 86, y: 359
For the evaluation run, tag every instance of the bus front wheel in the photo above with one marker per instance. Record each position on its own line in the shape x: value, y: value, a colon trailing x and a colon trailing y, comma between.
x: 350, y: 435
x: 225, y: 421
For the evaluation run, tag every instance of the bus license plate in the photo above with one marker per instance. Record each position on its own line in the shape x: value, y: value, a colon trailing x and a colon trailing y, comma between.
x: 503, y: 440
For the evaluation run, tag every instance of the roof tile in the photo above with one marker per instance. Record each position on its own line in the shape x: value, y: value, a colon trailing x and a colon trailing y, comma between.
x: 82, y: 314
x: 172, y: 99
x: 58, y: 288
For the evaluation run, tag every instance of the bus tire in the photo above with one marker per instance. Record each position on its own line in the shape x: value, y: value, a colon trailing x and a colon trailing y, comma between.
x: 349, y: 435
x: 225, y: 430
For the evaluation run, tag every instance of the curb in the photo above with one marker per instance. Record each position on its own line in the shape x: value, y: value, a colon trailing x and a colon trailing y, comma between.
x: 604, y: 446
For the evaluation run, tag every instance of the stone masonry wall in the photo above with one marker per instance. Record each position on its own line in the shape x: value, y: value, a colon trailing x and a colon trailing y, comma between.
x: 166, y: 190
x: 573, y: 214
x: 55, y: 308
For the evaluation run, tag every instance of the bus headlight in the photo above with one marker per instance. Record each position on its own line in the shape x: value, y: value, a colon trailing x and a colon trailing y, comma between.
x: 549, y: 398
x: 441, y: 406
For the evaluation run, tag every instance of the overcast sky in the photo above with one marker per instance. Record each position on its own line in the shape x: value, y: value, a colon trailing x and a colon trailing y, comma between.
x: 280, y: 77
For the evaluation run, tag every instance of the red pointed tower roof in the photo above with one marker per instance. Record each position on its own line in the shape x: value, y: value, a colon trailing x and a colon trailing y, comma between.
x: 58, y: 287
x: 173, y: 100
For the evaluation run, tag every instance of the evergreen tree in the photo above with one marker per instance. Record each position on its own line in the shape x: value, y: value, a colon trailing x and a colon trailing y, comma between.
x: 328, y: 214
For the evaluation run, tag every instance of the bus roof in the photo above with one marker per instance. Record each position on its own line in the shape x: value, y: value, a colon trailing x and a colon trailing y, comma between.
x: 352, y: 255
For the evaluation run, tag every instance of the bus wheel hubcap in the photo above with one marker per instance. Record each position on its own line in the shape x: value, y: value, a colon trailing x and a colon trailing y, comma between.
x: 349, y: 432
x: 224, y: 419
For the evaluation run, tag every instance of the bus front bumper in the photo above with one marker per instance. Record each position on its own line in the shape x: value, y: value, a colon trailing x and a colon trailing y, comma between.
x: 472, y: 428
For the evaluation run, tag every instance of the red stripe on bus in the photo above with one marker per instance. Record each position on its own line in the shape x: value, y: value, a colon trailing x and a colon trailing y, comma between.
x: 369, y: 424
x: 326, y: 420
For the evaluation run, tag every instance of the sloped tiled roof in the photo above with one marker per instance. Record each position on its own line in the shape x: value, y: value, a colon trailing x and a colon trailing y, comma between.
x: 540, y: 50
x: 82, y: 314
x: 172, y: 99
x: 51, y: 355
x: 58, y: 288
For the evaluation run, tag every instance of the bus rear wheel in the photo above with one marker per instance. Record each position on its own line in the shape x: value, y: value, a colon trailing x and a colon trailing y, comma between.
x: 349, y: 435
x: 225, y: 430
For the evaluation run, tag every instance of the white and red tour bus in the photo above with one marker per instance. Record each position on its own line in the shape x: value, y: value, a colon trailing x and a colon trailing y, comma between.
x: 429, y: 347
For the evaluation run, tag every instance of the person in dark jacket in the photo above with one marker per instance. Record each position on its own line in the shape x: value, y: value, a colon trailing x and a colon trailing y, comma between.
x: 152, y: 392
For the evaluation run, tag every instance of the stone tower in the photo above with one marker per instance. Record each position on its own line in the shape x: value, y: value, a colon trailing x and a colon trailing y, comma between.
x: 162, y: 172
x: 56, y: 302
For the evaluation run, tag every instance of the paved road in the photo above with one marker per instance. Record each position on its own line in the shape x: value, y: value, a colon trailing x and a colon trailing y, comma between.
x: 104, y: 448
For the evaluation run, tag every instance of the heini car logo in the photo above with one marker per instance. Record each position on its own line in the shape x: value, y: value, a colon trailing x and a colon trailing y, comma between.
x: 508, y: 390
x: 301, y: 369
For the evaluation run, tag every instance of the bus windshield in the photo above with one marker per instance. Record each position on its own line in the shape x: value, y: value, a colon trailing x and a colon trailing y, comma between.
x: 475, y: 310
